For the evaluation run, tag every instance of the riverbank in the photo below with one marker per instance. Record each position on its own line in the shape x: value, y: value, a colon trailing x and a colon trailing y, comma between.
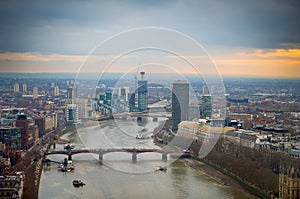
x: 220, y: 176
x: 215, y: 175
x: 31, y: 165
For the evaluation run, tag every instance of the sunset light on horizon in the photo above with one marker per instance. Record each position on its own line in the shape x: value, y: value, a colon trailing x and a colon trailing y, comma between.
x: 277, y: 63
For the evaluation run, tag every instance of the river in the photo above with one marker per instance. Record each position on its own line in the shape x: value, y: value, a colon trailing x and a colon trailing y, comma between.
x: 119, y: 177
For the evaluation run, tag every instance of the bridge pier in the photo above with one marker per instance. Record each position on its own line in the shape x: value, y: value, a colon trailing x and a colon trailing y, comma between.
x: 69, y: 156
x: 101, y: 158
x: 134, y: 157
x: 164, y: 156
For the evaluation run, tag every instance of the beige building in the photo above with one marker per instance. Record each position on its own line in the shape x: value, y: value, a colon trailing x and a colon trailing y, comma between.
x: 24, y: 88
x: 289, y: 184
x: 82, y: 108
x: 56, y: 91
x: 16, y: 88
x: 51, y: 122
x: 54, y: 120
x: 48, y: 123
x: 198, y: 132
x: 35, y: 92
x: 33, y: 132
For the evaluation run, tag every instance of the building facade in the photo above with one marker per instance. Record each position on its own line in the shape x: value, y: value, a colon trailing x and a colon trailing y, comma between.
x: 35, y: 92
x: 82, y: 106
x: 40, y: 122
x: 56, y: 91
x: 131, y: 102
x: 22, y: 122
x: 24, y: 88
x: 180, y: 103
x: 142, y: 93
x: 206, y: 106
x: 16, y: 88
x: 11, y: 137
x: 289, y: 183
x: 72, y: 113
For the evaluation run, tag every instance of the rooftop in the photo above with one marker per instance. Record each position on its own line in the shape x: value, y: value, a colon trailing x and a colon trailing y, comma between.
x: 196, y: 125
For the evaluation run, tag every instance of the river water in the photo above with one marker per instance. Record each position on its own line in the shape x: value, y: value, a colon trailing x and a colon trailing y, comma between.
x: 118, y: 177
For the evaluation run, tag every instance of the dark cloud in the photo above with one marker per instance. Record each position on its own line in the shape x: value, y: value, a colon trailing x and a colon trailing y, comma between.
x: 77, y: 26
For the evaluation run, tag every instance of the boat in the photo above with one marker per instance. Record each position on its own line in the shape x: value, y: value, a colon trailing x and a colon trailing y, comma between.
x: 68, y: 147
x: 70, y: 167
x: 59, y: 166
x: 140, y: 136
x: 63, y: 169
x: 144, y: 130
x: 78, y: 183
x: 160, y: 168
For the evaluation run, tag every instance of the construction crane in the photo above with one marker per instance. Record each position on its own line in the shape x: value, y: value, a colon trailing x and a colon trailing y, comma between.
x: 136, y: 82
x: 136, y: 77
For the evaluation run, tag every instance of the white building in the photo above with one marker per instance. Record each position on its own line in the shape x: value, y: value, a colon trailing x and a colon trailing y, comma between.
x: 35, y: 92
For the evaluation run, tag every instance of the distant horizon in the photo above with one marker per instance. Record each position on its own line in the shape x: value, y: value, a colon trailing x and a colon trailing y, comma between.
x: 120, y: 73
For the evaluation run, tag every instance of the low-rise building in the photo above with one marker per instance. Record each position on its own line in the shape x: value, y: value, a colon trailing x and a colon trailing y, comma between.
x: 244, y: 138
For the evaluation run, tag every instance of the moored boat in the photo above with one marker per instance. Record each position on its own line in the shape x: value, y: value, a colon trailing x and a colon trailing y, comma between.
x: 160, y: 168
x: 141, y: 136
x: 78, y: 183
x: 59, y: 166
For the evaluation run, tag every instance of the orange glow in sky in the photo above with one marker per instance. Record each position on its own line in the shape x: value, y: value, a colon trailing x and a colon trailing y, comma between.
x: 258, y: 62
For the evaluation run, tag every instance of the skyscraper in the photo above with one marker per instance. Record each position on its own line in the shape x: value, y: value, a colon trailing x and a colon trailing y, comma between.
x: 82, y: 107
x: 56, y: 91
x: 127, y: 89
x: 180, y: 102
x: 35, y: 92
x: 123, y: 93
x: 70, y: 93
x: 131, y: 102
x: 23, y: 123
x: 72, y: 113
x: 24, y: 88
x: 40, y: 122
x: 16, y: 87
x: 206, y: 106
x: 142, y: 93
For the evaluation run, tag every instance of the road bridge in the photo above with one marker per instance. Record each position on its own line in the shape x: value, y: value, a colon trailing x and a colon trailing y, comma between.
x: 133, y: 151
x: 140, y: 115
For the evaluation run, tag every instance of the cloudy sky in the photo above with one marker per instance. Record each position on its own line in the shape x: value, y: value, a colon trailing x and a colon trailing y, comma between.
x: 243, y: 38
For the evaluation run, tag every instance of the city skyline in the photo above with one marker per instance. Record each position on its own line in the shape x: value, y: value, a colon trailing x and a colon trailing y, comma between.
x: 261, y: 122
x: 257, y: 39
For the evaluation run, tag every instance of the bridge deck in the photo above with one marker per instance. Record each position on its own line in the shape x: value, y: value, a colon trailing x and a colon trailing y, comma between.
x: 104, y: 151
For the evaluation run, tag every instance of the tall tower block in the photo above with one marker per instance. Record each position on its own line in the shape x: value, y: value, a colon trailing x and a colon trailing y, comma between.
x: 180, y: 102
x: 142, y: 93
